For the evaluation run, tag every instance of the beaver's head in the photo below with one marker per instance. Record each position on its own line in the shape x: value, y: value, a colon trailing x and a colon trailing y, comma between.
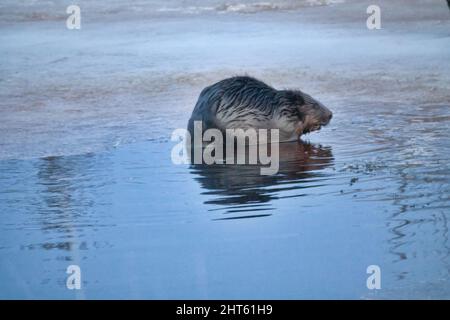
x: 300, y: 114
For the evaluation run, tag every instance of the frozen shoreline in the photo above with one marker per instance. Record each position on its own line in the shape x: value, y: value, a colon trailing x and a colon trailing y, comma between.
x: 69, y: 92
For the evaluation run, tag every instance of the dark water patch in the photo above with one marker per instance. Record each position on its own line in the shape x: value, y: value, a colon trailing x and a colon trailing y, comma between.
x: 237, y: 185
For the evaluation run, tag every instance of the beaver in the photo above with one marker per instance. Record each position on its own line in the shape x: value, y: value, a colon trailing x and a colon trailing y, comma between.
x: 244, y: 102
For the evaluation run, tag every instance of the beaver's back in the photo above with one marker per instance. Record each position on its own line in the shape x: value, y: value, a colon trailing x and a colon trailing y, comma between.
x: 238, y: 102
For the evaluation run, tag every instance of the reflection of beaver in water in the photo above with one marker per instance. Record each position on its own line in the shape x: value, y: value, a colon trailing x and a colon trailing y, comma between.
x: 247, y: 103
x: 300, y: 168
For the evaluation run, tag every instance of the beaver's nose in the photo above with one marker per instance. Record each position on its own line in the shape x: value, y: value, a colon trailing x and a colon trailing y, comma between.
x: 327, y: 117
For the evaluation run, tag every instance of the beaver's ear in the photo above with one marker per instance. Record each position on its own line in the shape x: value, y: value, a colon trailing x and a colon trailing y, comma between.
x: 294, y: 98
x: 300, y: 99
